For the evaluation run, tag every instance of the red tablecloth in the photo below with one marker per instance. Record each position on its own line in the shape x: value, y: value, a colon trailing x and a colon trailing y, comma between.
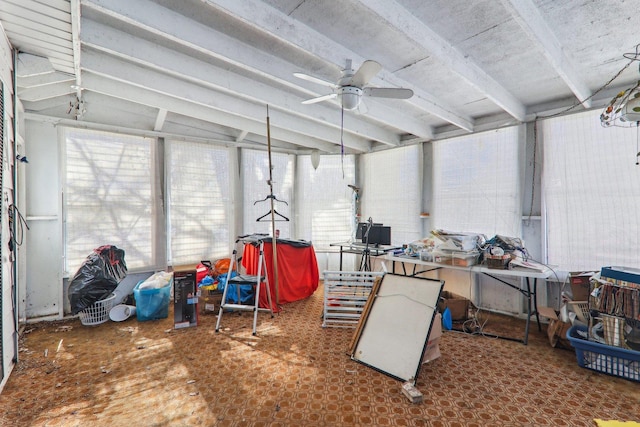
x: 298, y: 274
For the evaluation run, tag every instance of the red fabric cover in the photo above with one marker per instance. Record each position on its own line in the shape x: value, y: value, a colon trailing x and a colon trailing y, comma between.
x: 298, y: 274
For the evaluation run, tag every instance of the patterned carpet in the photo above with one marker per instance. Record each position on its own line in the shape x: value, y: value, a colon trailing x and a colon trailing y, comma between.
x: 294, y: 373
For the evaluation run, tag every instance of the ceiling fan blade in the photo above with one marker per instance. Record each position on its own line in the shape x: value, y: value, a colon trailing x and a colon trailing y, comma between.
x: 315, y: 80
x: 388, y: 92
x: 367, y: 70
x: 320, y: 98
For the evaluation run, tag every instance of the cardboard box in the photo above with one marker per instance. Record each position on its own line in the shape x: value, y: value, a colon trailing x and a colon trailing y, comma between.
x: 458, y: 305
x: 185, y: 296
x: 209, y: 301
x: 579, y: 281
x: 433, y: 345
x: 556, y: 330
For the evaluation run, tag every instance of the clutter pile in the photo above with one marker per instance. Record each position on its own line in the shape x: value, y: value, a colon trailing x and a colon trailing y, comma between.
x: 464, y: 249
x: 450, y: 248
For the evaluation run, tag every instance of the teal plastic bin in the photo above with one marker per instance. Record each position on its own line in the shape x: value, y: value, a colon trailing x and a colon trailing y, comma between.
x: 152, y: 303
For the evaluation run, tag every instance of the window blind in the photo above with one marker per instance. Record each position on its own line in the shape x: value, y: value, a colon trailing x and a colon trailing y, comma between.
x: 255, y: 174
x: 199, y: 195
x: 476, y: 183
x: 108, y: 196
x: 327, y: 213
x: 391, y: 191
x: 591, y: 193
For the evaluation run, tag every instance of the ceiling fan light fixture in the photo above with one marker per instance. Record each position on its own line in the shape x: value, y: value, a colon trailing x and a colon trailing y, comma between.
x: 350, y: 97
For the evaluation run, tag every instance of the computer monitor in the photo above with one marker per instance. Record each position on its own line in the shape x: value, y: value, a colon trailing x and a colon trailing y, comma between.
x: 361, y: 231
x: 379, y: 235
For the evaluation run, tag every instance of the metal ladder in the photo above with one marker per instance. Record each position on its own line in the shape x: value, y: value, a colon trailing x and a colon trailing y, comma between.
x: 246, y: 279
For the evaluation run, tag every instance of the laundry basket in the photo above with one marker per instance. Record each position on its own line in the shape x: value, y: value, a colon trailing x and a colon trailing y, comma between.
x: 98, y: 312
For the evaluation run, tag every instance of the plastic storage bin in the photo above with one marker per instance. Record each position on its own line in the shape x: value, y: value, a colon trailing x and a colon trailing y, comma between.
x: 152, y: 303
x: 610, y: 360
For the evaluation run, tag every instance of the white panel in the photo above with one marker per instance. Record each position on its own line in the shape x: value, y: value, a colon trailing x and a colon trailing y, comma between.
x: 396, y: 328
x: 44, y: 239
x: 476, y: 184
x: 326, y: 214
x: 591, y: 193
x: 391, y: 191
x: 199, y: 202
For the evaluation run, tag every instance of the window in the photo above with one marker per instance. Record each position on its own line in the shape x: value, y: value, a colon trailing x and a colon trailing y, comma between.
x: 255, y: 174
x: 391, y: 191
x: 476, y: 183
x: 327, y: 211
x: 591, y: 193
x: 199, y: 196
x: 108, y: 196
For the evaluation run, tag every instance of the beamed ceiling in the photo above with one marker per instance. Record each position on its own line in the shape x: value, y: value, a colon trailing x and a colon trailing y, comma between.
x: 208, y: 69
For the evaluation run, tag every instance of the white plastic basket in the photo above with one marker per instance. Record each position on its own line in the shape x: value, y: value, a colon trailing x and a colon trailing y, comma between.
x: 581, y: 309
x: 98, y: 312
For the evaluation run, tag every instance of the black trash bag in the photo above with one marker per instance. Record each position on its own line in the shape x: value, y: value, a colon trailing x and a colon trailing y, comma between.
x: 97, y: 277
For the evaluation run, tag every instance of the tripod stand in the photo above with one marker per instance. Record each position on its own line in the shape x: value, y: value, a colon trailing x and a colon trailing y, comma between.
x: 365, y: 262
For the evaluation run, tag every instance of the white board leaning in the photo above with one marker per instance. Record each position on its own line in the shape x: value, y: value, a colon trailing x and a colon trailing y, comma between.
x: 394, y: 329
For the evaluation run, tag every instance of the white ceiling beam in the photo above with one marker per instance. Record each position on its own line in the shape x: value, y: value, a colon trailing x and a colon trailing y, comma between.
x: 243, y: 134
x: 38, y: 93
x: 528, y: 16
x: 146, y: 133
x: 160, y: 118
x: 47, y: 104
x: 199, y: 95
x: 267, y: 19
x: 414, y: 29
x: 45, y: 79
x: 136, y: 94
x: 156, y: 20
x: 145, y: 53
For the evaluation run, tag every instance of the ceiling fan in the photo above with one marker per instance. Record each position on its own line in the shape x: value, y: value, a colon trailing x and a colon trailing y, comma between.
x: 352, y: 86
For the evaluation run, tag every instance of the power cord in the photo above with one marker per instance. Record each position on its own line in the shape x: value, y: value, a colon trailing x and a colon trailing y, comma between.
x: 16, y: 238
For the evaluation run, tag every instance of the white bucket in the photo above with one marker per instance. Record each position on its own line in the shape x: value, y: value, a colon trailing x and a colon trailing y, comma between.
x: 122, y: 312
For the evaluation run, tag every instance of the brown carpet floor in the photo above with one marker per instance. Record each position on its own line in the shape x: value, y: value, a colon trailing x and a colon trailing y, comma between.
x: 294, y: 373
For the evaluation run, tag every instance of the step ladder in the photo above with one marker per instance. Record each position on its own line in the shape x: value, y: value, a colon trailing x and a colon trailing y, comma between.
x: 246, y: 279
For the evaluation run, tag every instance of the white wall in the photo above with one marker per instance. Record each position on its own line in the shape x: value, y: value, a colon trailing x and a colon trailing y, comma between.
x: 8, y: 337
x: 44, y: 289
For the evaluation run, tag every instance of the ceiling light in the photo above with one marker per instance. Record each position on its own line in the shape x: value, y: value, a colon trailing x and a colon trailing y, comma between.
x: 350, y: 96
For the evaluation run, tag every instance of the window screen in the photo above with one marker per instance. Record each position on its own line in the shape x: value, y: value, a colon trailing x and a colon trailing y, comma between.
x: 327, y: 212
x: 591, y: 192
x: 476, y: 183
x: 199, y: 208
x: 255, y: 174
x: 391, y: 191
x: 108, y: 196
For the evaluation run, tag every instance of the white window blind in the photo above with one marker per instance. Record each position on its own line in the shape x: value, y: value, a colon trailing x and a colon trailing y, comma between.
x: 391, y: 191
x: 255, y: 174
x: 108, y: 196
x: 591, y: 190
x: 476, y: 183
x: 326, y: 214
x: 199, y: 195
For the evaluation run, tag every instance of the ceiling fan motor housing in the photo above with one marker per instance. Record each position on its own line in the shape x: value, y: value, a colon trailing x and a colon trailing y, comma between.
x: 350, y: 97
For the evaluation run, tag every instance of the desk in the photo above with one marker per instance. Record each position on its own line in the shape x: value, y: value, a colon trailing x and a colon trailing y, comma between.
x: 298, y: 275
x: 530, y: 292
x: 364, y: 250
